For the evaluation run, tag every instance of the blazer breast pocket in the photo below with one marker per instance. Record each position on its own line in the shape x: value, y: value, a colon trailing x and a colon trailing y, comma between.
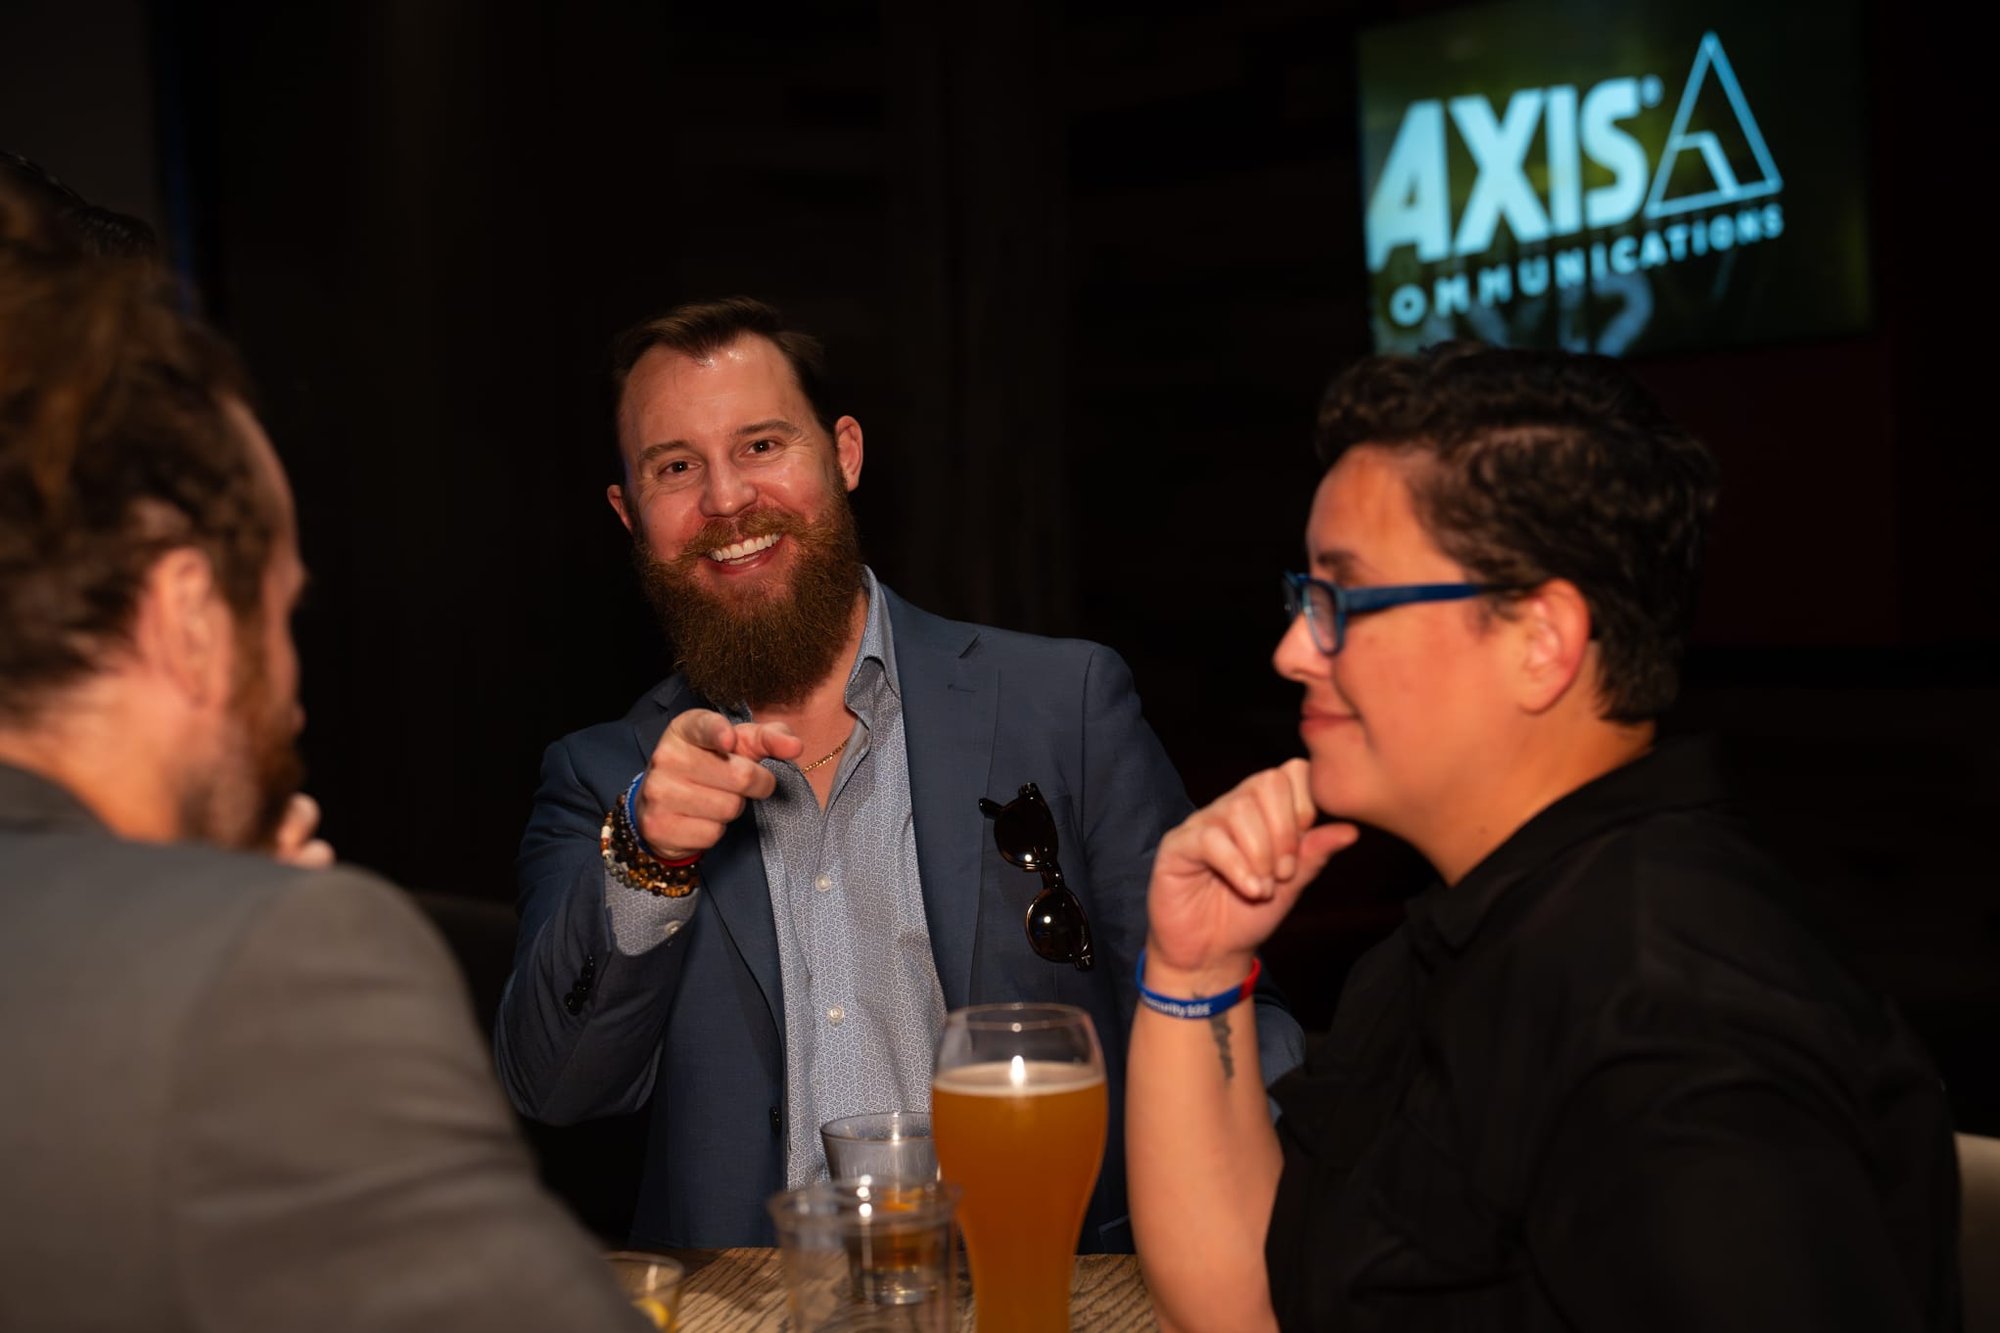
x: 1007, y: 964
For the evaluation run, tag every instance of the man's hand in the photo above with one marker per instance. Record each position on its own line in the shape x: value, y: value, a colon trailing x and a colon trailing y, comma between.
x: 701, y: 773
x: 295, y: 844
x: 1225, y: 878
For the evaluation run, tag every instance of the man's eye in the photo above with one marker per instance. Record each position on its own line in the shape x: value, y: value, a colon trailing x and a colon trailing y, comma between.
x: 762, y: 446
x: 674, y: 467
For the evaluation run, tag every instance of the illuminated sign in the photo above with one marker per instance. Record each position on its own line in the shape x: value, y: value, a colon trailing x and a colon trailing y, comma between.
x: 1541, y: 173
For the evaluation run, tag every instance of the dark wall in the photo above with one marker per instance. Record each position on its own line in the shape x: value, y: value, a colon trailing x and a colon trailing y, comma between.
x: 1083, y: 269
x: 77, y: 96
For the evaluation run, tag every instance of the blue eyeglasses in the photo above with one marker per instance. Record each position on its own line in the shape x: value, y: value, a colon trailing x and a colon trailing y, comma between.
x: 1327, y: 606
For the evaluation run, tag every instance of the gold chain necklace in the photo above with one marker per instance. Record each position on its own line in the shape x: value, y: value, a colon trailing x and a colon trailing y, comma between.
x: 834, y: 752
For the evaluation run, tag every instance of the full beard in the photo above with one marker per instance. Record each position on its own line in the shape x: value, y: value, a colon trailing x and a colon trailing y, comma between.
x: 243, y: 800
x: 772, y: 647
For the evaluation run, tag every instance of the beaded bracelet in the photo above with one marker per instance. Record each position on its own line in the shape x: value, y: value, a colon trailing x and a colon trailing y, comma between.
x: 634, y: 864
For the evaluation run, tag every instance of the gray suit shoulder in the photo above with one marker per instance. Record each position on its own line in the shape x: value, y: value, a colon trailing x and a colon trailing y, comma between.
x: 346, y: 918
x: 351, y: 900
x: 333, y: 1085
x: 102, y: 880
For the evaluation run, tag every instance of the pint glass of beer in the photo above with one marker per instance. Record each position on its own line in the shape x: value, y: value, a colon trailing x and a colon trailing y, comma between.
x: 1018, y: 1111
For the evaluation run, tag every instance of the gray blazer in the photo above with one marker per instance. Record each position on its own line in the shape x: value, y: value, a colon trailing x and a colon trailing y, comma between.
x: 240, y: 1096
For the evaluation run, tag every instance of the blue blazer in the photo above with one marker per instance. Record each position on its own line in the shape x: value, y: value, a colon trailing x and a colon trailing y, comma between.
x: 696, y: 1024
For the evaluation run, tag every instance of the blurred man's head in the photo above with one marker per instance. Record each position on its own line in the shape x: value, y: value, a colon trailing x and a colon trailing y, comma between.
x: 735, y: 491
x: 1554, y: 483
x: 148, y: 559
x: 97, y: 230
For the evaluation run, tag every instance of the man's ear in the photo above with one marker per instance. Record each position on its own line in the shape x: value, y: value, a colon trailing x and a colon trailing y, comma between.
x: 616, y: 494
x: 184, y: 629
x: 1552, y: 625
x: 847, y: 450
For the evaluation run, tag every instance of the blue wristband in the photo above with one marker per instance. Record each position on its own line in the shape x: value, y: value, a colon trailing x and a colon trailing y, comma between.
x: 632, y: 822
x: 1206, y: 1006
x: 632, y: 815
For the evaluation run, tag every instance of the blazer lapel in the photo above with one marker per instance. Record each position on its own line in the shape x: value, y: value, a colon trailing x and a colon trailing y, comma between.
x: 950, y: 701
x: 732, y: 872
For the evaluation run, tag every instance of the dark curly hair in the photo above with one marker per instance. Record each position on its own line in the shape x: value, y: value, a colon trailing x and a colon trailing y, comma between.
x: 1546, y: 465
x: 116, y: 446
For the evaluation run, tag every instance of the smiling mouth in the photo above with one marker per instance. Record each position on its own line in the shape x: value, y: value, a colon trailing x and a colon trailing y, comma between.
x: 737, y: 552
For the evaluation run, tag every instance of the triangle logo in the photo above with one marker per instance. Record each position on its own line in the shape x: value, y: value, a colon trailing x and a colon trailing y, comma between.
x: 1723, y: 186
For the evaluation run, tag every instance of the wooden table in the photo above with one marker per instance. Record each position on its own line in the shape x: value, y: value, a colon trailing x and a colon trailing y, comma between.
x: 737, y: 1291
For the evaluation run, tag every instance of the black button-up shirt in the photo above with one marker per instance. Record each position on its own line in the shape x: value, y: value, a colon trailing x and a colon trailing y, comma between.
x: 1610, y: 1081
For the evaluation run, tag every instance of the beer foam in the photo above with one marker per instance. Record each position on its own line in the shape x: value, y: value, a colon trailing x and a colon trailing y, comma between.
x: 1037, y: 1077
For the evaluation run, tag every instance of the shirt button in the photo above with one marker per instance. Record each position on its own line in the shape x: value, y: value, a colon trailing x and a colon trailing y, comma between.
x: 823, y: 883
x: 674, y: 928
x: 836, y: 1015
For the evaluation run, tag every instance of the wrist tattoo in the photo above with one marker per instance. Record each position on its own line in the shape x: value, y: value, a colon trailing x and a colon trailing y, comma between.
x: 1218, y: 1027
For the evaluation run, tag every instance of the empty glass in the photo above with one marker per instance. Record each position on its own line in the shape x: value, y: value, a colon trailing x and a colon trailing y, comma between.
x: 889, y: 1145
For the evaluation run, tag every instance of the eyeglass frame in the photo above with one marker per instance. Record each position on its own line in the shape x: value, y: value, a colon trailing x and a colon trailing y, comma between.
x: 1041, y: 859
x: 1351, y: 602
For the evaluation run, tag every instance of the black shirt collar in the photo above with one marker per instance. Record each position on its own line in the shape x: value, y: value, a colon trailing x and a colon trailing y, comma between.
x: 1674, y: 774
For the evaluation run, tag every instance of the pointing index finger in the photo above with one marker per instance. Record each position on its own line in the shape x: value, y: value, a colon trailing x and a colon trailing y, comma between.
x: 767, y: 740
x: 706, y: 730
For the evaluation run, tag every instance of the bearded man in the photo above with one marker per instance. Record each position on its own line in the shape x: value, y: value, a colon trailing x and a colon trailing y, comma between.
x: 244, y: 1090
x: 752, y: 900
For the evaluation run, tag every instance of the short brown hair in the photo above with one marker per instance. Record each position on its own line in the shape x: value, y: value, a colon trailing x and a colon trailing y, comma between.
x: 702, y: 328
x: 1549, y: 465
x: 115, y: 447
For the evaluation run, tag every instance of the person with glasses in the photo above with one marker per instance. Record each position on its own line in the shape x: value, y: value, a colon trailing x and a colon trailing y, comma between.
x: 750, y: 902
x: 1602, y: 1077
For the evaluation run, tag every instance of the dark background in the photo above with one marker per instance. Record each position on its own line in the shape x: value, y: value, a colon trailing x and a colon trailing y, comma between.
x: 1083, y: 269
